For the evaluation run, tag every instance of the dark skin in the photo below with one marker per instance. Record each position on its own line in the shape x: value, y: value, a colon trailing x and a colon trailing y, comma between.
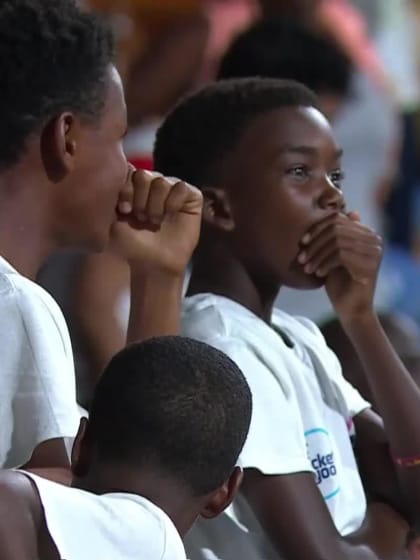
x: 302, y: 237
x: 24, y: 533
x: 74, y: 188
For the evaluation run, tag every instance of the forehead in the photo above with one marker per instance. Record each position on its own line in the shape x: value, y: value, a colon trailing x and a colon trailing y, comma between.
x: 288, y: 127
x: 115, y: 110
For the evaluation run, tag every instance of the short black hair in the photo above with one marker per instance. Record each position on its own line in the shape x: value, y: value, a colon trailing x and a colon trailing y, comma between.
x: 176, y: 405
x: 54, y: 58
x: 202, y: 129
x: 279, y: 48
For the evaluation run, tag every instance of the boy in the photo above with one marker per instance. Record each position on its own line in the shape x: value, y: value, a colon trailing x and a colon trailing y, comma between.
x: 363, y: 121
x: 65, y: 182
x: 168, y: 421
x: 274, y: 215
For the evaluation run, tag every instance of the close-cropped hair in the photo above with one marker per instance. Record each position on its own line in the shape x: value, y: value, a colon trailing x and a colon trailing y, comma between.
x: 200, y: 132
x: 174, y: 405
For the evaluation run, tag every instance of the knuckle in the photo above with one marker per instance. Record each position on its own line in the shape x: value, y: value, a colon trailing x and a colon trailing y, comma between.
x: 160, y: 183
x: 336, y: 228
x: 182, y: 185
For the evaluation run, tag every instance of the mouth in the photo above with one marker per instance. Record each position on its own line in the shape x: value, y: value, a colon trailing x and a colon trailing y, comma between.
x: 297, y: 266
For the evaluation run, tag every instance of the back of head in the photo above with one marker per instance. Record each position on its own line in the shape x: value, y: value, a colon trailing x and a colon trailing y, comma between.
x: 198, y: 135
x: 176, y: 406
x: 54, y: 58
x: 288, y: 50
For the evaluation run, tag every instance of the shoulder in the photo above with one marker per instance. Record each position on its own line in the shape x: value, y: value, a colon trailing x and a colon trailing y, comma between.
x: 173, y: 548
x: 17, y: 487
x: 303, y: 331
x: 205, y: 314
x: 28, y: 308
x: 296, y: 324
x: 158, y: 534
x: 20, y: 508
x: 28, y: 294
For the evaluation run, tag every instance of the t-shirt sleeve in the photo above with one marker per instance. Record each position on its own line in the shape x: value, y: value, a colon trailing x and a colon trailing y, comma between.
x: 275, y: 443
x: 39, y: 396
x: 173, y: 546
x: 351, y: 400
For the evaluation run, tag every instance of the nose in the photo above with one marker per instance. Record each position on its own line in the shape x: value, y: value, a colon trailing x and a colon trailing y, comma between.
x: 331, y: 197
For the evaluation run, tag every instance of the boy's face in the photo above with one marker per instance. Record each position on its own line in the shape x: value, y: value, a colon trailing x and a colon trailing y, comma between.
x: 282, y: 178
x: 85, y: 201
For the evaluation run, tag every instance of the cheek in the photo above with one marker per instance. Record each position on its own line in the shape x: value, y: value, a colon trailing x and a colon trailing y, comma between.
x: 110, y: 169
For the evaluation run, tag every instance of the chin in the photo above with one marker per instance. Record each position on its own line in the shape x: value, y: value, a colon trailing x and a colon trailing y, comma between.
x: 95, y: 244
x: 298, y: 280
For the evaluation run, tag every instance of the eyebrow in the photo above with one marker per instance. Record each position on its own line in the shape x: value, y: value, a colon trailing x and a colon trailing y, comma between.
x: 306, y: 150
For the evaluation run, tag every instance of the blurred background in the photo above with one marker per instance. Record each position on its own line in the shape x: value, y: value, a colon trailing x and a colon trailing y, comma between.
x: 362, y: 58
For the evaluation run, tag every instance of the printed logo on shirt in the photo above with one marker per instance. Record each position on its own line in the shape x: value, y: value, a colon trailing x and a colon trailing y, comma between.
x: 322, y: 458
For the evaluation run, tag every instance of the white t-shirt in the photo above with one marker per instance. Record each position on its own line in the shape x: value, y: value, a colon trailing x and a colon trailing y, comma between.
x: 117, y: 526
x: 37, y: 395
x: 301, y: 421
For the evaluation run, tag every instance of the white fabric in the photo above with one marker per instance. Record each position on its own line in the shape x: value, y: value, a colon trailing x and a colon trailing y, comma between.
x: 302, y: 418
x: 38, y: 395
x: 116, y: 526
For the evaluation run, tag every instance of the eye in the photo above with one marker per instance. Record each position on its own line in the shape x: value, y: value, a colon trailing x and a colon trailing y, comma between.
x: 337, y: 177
x: 299, y: 172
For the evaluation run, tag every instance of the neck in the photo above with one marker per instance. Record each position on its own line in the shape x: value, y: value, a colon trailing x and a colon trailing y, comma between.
x: 162, y: 491
x: 219, y: 272
x: 23, y: 239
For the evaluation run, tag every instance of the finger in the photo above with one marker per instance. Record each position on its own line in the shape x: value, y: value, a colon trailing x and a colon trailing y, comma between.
x: 359, y: 267
x: 125, y: 200
x: 158, y: 196
x: 347, y: 247
x: 333, y: 246
x: 339, y: 234
x: 354, y: 216
x: 333, y: 263
x: 184, y: 197
x: 318, y: 228
x: 142, y: 181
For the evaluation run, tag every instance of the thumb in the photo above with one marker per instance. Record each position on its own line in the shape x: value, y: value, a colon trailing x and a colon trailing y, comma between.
x: 125, y: 200
x: 353, y: 216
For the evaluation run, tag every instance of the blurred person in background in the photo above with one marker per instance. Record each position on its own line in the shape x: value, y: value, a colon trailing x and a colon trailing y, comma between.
x: 404, y: 335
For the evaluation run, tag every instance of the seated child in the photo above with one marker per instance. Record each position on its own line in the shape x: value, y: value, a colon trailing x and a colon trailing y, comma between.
x: 274, y: 215
x: 168, y: 421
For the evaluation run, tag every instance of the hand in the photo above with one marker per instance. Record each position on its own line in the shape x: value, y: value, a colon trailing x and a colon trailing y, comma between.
x: 347, y: 254
x: 385, y: 531
x: 159, y: 222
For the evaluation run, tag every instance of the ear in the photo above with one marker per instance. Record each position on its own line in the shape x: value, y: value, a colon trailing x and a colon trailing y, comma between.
x: 59, y: 146
x: 217, y: 209
x: 223, y: 497
x: 81, y: 454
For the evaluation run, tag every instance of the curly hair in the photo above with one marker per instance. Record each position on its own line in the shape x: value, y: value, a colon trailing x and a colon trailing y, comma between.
x: 175, y: 405
x: 54, y: 58
x: 199, y: 134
